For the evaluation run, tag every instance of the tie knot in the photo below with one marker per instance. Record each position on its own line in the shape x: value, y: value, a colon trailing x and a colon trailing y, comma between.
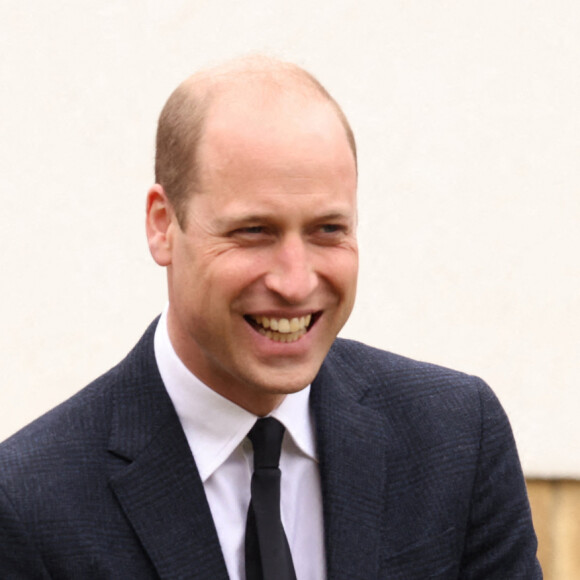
x: 266, y: 437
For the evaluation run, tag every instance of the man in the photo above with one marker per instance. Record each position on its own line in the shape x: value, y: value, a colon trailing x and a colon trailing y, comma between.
x: 390, y: 468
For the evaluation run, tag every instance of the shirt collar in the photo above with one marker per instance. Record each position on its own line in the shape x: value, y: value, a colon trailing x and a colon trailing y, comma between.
x: 214, y: 426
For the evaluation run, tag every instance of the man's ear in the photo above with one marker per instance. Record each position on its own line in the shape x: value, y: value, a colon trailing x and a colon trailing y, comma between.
x: 160, y: 223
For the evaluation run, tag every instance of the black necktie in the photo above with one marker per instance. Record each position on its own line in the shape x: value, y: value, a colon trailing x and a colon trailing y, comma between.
x: 268, y: 555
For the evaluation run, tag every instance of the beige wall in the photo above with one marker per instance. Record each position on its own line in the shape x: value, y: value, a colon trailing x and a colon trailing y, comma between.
x: 468, y: 127
x: 556, y: 512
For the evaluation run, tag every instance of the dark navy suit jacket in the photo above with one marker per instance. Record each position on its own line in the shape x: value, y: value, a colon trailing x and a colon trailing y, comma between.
x: 420, y: 479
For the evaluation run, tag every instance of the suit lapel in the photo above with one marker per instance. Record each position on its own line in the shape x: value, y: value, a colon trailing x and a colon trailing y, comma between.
x: 352, y: 474
x: 157, y: 484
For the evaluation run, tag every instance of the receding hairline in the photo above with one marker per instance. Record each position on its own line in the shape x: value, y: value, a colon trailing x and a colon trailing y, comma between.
x: 183, y: 118
x: 253, y: 72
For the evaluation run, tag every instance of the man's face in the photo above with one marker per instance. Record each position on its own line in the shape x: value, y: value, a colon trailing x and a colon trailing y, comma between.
x: 263, y: 276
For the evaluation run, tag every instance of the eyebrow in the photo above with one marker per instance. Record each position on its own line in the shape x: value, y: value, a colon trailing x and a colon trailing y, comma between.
x: 226, y: 221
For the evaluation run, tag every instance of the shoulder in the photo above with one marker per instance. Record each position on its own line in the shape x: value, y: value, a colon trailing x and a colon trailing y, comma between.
x: 409, y: 391
x: 52, y: 449
x: 375, y: 372
x: 68, y: 433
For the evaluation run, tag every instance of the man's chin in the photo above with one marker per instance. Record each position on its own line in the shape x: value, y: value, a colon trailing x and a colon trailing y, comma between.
x: 284, y: 386
x: 262, y: 398
x: 284, y: 381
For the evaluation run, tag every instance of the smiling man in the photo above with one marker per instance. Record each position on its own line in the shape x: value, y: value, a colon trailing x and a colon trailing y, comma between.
x: 240, y: 438
x: 262, y: 263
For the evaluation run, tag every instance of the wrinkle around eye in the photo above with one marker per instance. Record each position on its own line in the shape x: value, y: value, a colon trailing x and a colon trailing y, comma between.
x: 330, y: 229
x: 250, y: 230
x: 252, y: 235
x: 331, y: 234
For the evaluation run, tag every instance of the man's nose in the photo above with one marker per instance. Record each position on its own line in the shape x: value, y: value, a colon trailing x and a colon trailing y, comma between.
x: 291, y: 274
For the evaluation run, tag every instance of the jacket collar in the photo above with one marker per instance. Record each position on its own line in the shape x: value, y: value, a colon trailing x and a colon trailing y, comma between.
x: 158, y: 485
x: 352, y: 470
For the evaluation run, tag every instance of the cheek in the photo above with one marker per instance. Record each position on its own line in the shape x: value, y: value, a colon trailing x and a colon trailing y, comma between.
x: 341, y: 270
x: 222, y: 283
x: 239, y: 269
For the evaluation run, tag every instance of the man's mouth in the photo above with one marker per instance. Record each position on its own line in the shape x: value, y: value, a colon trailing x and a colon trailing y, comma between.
x: 283, y: 329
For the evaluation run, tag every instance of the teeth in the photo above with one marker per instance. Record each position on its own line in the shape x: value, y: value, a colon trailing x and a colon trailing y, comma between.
x: 278, y: 337
x: 285, y: 330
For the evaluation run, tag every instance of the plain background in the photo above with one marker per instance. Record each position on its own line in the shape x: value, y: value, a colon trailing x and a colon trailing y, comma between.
x: 467, y: 117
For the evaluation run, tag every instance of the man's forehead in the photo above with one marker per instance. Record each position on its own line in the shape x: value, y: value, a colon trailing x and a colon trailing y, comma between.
x: 233, y: 123
x: 256, y: 102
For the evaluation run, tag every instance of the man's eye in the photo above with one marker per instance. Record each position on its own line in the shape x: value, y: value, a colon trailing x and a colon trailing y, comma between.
x: 250, y: 230
x: 330, y: 228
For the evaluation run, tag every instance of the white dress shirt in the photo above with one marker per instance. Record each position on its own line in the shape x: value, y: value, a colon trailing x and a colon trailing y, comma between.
x: 216, y: 430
